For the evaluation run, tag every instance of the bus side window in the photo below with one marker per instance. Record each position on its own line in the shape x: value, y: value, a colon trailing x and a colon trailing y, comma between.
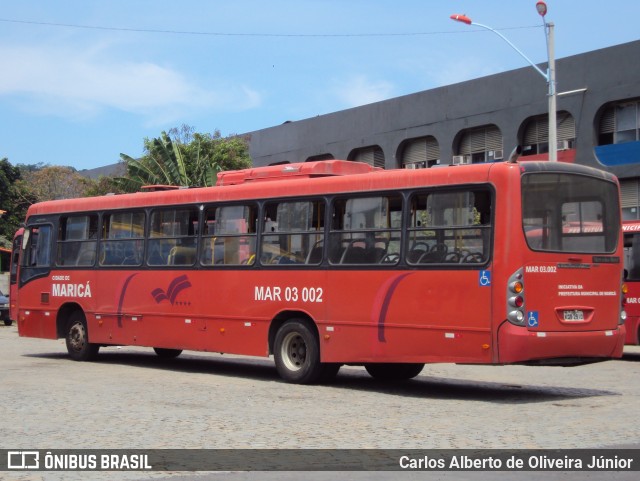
x: 77, y: 240
x: 366, y: 230
x: 37, y: 252
x: 15, y: 257
x: 122, y: 241
x: 173, y: 237
x: 634, y: 265
x: 229, y: 235
x: 449, y: 227
x: 293, y: 233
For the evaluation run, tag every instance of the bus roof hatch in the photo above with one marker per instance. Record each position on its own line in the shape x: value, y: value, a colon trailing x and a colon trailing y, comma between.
x: 323, y: 168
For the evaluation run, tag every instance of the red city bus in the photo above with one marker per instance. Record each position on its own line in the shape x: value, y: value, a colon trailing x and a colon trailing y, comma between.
x: 631, y: 231
x: 13, y: 274
x: 329, y: 263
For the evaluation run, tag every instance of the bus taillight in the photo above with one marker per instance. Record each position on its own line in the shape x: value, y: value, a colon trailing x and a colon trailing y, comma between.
x: 623, y: 303
x: 515, y: 299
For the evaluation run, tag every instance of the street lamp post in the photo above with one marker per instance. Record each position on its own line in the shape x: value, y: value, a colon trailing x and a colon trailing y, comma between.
x: 551, y: 81
x: 549, y: 76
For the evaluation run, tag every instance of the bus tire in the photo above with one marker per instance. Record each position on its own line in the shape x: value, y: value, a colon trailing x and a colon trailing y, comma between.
x: 297, y: 353
x: 167, y: 353
x: 8, y: 322
x: 77, y: 339
x: 394, y: 371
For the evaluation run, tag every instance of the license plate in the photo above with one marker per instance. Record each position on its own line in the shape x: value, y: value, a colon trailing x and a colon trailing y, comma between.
x: 573, y: 315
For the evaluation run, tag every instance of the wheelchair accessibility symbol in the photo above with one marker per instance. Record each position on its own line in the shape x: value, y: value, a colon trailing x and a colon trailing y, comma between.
x: 484, y: 278
x: 532, y: 319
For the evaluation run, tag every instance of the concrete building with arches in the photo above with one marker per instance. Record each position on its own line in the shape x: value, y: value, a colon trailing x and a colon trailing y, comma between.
x: 483, y: 120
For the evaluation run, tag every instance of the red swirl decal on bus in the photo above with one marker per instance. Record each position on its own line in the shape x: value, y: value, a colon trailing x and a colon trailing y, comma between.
x: 175, y: 287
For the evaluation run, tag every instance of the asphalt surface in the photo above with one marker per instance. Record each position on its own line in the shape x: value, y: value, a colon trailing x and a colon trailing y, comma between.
x: 131, y: 399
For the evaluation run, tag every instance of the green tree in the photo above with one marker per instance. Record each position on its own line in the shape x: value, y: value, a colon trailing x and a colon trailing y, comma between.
x: 15, y: 199
x: 184, y: 158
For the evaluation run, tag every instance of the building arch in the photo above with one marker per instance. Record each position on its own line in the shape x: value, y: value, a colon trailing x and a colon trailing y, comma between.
x: 478, y: 144
x: 535, y: 134
x: 372, y: 155
x: 319, y: 157
x: 419, y: 153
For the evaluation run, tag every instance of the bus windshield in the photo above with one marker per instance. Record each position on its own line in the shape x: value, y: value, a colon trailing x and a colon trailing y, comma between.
x: 569, y: 213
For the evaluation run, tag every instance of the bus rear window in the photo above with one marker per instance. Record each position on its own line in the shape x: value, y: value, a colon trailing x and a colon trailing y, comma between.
x: 570, y: 213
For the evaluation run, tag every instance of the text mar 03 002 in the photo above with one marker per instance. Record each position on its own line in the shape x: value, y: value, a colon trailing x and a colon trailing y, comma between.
x: 288, y: 294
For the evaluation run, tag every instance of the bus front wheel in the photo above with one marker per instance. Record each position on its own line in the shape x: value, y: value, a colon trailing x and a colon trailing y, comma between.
x: 77, y: 339
x: 297, y: 353
x: 394, y: 371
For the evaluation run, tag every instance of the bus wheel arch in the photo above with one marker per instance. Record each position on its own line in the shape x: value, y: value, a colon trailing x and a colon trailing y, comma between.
x: 64, y: 314
x: 72, y: 325
x: 284, y: 317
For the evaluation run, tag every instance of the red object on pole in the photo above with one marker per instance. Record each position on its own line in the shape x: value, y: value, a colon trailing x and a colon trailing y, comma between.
x: 541, y: 7
x: 461, y: 18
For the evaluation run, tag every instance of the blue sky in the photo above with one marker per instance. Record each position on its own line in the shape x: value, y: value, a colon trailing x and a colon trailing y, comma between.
x: 123, y: 70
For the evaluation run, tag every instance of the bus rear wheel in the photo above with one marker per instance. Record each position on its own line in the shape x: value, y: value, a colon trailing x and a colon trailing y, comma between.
x: 394, y: 371
x: 167, y: 353
x: 77, y: 339
x: 297, y: 353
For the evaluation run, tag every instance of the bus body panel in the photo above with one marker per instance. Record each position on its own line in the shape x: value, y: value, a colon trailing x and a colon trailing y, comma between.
x: 405, y: 313
x: 408, y: 316
x: 404, y: 316
x: 14, y: 292
x: 632, y: 308
x: 631, y: 230
x: 37, y: 322
x: 518, y: 345
x: 571, y: 296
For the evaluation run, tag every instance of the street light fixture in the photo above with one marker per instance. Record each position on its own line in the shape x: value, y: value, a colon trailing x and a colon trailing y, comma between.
x: 549, y: 76
x: 541, y: 7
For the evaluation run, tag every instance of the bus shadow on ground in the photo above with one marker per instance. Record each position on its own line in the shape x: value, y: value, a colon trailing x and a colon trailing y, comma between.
x: 631, y: 356
x: 423, y: 386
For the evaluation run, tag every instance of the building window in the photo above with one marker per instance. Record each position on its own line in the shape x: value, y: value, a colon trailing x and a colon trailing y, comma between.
x: 420, y: 153
x: 482, y: 144
x: 620, y: 123
x: 372, y: 155
x: 317, y: 158
x: 536, y: 134
x: 629, y: 196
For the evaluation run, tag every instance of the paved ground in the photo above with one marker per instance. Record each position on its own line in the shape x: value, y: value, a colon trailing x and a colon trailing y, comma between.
x: 132, y: 399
